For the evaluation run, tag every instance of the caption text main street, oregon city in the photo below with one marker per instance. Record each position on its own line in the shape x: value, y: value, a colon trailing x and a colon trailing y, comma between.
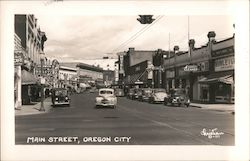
x: 77, y: 140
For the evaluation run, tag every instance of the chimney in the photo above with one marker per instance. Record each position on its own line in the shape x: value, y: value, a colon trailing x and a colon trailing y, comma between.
x: 211, y: 36
x: 176, y: 49
x: 191, y: 43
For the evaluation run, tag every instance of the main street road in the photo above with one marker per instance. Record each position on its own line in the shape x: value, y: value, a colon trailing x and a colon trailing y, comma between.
x: 131, y: 123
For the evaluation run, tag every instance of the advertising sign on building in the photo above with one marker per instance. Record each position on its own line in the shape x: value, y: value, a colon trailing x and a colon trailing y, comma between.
x: 190, y: 68
x: 18, y: 58
x: 170, y: 74
x: 224, y: 64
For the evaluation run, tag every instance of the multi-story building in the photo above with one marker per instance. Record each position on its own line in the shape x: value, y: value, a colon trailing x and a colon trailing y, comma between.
x: 134, y: 64
x: 32, y: 44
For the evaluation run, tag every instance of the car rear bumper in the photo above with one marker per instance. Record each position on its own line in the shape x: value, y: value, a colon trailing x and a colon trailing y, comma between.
x: 61, y: 103
x: 105, y: 104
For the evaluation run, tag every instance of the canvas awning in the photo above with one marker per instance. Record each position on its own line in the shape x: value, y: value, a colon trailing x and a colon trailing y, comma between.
x: 28, y: 78
x: 215, y: 78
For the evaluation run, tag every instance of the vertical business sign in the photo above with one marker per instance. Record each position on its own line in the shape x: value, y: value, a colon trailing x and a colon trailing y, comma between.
x: 150, y: 70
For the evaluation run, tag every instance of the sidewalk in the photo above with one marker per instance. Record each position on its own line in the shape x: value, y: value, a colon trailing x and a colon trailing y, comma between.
x: 216, y: 107
x: 34, y: 109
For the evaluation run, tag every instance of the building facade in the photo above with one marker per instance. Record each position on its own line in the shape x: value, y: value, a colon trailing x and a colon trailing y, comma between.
x: 68, y: 77
x: 207, y: 73
x: 86, y: 74
x: 133, y: 67
x: 29, y: 40
x: 220, y: 82
x: 108, y: 77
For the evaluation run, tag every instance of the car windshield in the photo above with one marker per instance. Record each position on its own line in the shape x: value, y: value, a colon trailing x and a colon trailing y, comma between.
x: 61, y: 93
x: 106, y: 92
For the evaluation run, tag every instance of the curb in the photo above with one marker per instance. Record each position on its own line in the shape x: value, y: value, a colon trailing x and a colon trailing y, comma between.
x: 34, y: 110
x: 195, y: 106
x: 229, y: 111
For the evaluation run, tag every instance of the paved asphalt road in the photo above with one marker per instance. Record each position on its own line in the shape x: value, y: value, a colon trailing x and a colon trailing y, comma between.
x: 131, y: 123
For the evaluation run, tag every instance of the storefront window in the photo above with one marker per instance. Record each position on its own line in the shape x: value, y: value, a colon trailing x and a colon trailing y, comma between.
x: 223, y: 89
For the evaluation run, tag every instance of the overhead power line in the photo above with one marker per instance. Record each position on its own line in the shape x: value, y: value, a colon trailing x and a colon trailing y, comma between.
x: 137, y: 34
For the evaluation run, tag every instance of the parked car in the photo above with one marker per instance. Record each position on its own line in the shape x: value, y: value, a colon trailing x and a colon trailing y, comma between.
x: 136, y: 94
x: 119, y: 92
x: 93, y: 90
x: 146, y: 92
x: 130, y: 93
x: 60, y: 96
x: 106, y: 98
x: 177, y: 97
x: 157, y: 95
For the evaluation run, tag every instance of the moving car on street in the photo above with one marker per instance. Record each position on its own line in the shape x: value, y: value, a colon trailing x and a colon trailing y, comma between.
x: 157, y: 95
x: 60, y: 96
x: 177, y: 97
x: 106, y: 98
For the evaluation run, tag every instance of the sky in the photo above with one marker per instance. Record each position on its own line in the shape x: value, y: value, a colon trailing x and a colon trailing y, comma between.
x: 79, y: 37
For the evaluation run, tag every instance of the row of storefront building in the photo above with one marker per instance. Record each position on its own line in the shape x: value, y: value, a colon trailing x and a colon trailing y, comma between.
x: 206, y: 73
x: 34, y: 70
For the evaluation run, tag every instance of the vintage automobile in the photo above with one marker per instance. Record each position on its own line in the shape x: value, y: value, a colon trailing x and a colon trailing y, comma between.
x: 60, y: 96
x: 119, y: 92
x: 178, y: 97
x: 157, y: 95
x: 136, y: 94
x: 146, y: 92
x: 130, y: 93
x: 106, y: 98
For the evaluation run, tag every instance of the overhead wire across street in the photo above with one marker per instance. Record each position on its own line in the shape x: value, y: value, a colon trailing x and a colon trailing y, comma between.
x: 132, y: 38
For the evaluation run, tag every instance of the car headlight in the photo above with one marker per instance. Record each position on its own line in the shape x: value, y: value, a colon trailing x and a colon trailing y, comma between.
x: 56, y: 98
x: 66, y: 98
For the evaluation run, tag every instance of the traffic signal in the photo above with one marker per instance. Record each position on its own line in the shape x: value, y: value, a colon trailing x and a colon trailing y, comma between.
x: 145, y: 19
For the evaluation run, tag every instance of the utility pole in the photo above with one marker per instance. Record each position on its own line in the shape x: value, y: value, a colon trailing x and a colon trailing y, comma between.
x: 42, y: 83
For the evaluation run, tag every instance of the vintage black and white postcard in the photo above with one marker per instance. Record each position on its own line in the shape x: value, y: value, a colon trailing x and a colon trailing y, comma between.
x: 112, y: 80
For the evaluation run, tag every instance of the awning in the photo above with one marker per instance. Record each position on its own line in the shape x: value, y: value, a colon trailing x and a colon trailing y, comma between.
x: 215, y: 78
x: 70, y: 85
x: 28, y: 78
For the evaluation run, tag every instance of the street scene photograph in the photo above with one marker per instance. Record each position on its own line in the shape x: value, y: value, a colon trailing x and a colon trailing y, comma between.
x: 124, y: 80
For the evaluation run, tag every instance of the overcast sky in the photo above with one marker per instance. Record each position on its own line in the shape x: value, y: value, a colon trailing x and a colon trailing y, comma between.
x: 72, y: 37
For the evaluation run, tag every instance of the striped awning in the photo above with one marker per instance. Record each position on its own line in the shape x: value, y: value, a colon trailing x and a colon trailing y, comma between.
x: 224, y: 79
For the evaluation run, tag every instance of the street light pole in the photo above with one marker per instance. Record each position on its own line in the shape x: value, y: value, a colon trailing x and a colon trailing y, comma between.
x: 42, y: 84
